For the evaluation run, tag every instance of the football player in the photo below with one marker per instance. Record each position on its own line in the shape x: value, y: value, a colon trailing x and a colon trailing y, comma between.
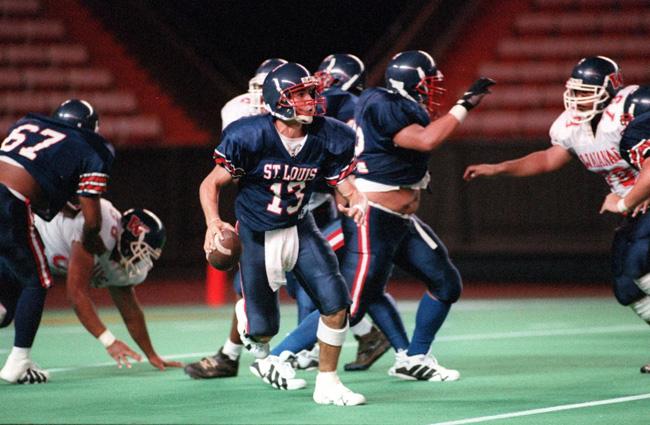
x: 590, y: 130
x: 44, y: 161
x: 632, y: 238
x: 395, y: 137
x: 132, y: 241
x: 276, y: 158
x: 342, y: 79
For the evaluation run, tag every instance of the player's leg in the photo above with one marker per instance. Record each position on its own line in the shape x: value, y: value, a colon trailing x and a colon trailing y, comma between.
x: 424, y: 255
x: 317, y: 268
x: 23, y: 252
x: 631, y: 267
x: 367, y: 265
x: 225, y: 363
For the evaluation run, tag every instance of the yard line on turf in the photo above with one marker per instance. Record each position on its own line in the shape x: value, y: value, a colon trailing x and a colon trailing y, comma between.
x: 455, y: 338
x: 546, y: 410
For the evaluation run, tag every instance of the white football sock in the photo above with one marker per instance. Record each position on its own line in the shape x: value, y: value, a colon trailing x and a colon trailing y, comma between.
x: 232, y: 350
x: 362, y: 328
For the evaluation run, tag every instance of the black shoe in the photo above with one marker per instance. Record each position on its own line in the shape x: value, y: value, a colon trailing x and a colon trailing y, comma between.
x: 217, y: 366
x: 645, y: 368
x: 371, y: 347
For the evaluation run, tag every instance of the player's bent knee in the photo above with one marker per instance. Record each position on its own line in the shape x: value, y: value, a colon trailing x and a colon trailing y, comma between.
x: 331, y: 336
x: 626, y: 290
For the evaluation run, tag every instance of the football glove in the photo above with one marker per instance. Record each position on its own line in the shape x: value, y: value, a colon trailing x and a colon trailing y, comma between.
x: 475, y: 93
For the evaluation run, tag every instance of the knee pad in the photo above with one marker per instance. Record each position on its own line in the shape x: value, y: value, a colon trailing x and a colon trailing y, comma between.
x: 335, y: 337
x: 642, y: 308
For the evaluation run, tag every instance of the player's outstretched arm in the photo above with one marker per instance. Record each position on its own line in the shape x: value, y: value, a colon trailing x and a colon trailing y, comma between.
x: 539, y: 162
x: 357, y: 201
x: 426, y: 139
x: 127, y: 303
x: 80, y: 269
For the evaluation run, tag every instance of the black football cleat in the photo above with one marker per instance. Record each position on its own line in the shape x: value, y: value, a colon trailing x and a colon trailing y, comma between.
x: 371, y: 347
x: 645, y: 368
x: 217, y: 366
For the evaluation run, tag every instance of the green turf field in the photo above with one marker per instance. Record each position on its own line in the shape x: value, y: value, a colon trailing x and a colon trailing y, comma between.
x: 542, y: 361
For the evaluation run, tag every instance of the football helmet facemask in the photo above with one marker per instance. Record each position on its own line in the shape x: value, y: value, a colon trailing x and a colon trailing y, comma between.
x: 594, y: 82
x: 142, y: 239
x: 77, y: 113
x: 636, y: 103
x: 255, y: 83
x: 342, y: 70
x: 280, y: 88
x: 414, y: 75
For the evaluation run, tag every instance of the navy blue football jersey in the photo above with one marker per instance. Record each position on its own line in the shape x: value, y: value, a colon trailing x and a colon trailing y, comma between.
x: 273, y: 185
x: 339, y: 104
x: 635, y: 142
x: 380, y: 115
x: 63, y: 160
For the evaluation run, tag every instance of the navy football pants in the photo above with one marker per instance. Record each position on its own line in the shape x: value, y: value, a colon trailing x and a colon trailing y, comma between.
x: 316, y: 269
x: 24, y: 273
x: 630, y: 260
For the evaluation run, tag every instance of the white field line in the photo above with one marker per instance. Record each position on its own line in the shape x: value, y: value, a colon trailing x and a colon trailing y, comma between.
x: 546, y: 410
x: 449, y: 338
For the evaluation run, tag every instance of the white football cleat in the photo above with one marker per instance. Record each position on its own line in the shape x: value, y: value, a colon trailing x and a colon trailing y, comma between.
x: 330, y: 390
x: 307, y: 359
x: 278, y: 373
x: 258, y: 349
x: 421, y: 367
x: 24, y: 372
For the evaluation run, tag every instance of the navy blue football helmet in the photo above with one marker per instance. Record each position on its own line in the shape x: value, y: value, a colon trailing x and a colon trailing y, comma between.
x: 255, y: 83
x: 636, y: 103
x: 143, y: 238
x: 77, y: 113
x: 414, y: 75
x: 594, y: 82
x: 342, y: 70
x: 279, y: 88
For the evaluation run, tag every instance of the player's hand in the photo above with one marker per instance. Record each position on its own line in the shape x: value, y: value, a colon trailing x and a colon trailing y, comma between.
x: 611, y: 204
x: 215, y: 229
x: 357, y: 209
x: 161, y: 363
x: 479, y: 170
x: 475, y: 93
x: 121, y: 353
x: 641, y: 208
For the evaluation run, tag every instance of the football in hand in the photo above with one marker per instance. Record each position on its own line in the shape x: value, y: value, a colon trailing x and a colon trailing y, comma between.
x: 225, y: 254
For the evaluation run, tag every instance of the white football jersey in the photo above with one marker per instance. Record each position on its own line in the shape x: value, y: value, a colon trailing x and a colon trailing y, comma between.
x: 236, y: 108
x: 599, y: 152
x: 59, y: 234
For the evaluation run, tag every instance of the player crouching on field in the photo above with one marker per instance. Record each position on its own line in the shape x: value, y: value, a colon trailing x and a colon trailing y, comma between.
x: 133, y: 240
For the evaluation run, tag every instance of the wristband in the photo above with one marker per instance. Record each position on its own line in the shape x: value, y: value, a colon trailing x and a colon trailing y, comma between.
x: 459, y: 112
x: 107, y: 338
x: 621, y: 207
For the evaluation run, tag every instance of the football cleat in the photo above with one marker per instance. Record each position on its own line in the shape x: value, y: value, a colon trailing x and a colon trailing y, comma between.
x: 371, y: 347
x: 26, y: 372
x: 334, y: 392
x: 217, y: 366
x: 645, y: 368
x: 277, y: 372
x: 421, y: 367
x: 306, y: 359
